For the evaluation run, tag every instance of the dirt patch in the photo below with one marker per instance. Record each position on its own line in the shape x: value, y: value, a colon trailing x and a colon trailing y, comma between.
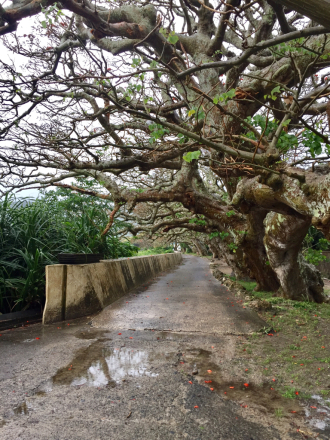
x: 289, y: 358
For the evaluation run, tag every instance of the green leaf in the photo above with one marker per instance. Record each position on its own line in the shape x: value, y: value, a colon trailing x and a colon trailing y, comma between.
x: 191, y: 112
x: 286, y: 123
x: 231, y: 93
x: 44, y: 24
x: 191, y: 155
x: 172, y: 38
x: 201, y: 115
x: 276, y: 89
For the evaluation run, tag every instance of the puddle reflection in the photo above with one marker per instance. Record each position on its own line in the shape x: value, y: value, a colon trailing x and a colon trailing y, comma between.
x: 99, y: 366
x: 318, y: 413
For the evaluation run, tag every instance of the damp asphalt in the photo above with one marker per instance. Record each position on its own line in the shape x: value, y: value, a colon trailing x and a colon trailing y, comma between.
x: 147, y: 367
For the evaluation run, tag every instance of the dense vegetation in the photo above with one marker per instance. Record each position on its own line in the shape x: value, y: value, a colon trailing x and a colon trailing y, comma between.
x: 34, y: 232
x: 202, y: 122
x: 156, y: 250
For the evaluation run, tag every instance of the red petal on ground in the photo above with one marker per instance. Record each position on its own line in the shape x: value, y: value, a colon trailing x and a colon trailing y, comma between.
x: 212, y: 389
x: 37, y: 338
x: 131, y: 337
x: 119, y: 333
x: 196, y: 406
x: 246, y: 384
x: 190, y: 382
x: 209, y: 371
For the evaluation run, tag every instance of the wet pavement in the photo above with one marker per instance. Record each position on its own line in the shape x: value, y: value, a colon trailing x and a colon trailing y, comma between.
x: 147, y: 367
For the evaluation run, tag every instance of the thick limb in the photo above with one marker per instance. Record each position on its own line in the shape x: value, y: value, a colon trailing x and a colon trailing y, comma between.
x: 283, y: 240
x: 255, y: 252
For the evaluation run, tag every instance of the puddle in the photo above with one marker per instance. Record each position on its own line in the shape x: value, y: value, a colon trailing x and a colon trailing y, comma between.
x: 92, y: 334
x: 317, y: 413
x: 44, y: 388
x: 22, y: 409
x: 170, y: 336
x: 99, y: 366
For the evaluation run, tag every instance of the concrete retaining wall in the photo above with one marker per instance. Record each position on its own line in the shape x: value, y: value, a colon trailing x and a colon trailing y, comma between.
x: 78, y: 290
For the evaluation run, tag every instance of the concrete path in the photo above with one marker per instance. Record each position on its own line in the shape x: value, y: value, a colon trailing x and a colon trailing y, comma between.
x: 128, y: 373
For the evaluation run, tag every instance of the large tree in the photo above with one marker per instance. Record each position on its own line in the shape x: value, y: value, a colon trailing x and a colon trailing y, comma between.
x: 220, y: 108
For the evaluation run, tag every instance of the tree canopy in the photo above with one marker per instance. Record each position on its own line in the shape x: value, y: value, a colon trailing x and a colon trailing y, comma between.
x: 211, y: 118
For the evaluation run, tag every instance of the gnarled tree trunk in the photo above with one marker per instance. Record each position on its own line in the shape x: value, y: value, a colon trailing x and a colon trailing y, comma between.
x: 235, y: 260
x: 283, y: 241
x: 200, y: 247
x: 256, y: 256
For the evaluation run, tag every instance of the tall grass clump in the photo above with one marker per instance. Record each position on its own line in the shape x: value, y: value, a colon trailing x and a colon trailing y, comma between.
x: 34, y: 231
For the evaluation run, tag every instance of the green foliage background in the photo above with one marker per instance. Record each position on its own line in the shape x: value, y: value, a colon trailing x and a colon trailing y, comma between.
x: 34, y: 231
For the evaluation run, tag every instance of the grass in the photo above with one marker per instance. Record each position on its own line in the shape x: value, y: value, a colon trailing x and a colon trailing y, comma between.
x: 278, y: 412
x: 298, y: 353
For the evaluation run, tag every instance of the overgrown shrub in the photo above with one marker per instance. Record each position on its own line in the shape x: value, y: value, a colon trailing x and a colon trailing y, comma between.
x: 34, y: 232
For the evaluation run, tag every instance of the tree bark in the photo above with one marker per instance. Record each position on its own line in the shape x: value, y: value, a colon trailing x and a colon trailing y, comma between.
x: 317, y: 10
x: 235, y: 260
x: 201, y: 248
x: 283, y: 241
x: 255, y: 252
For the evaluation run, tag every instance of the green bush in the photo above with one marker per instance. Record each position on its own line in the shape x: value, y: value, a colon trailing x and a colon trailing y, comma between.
x: 156, y: 251
x: 34, y: 232
x: 313, y: 246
